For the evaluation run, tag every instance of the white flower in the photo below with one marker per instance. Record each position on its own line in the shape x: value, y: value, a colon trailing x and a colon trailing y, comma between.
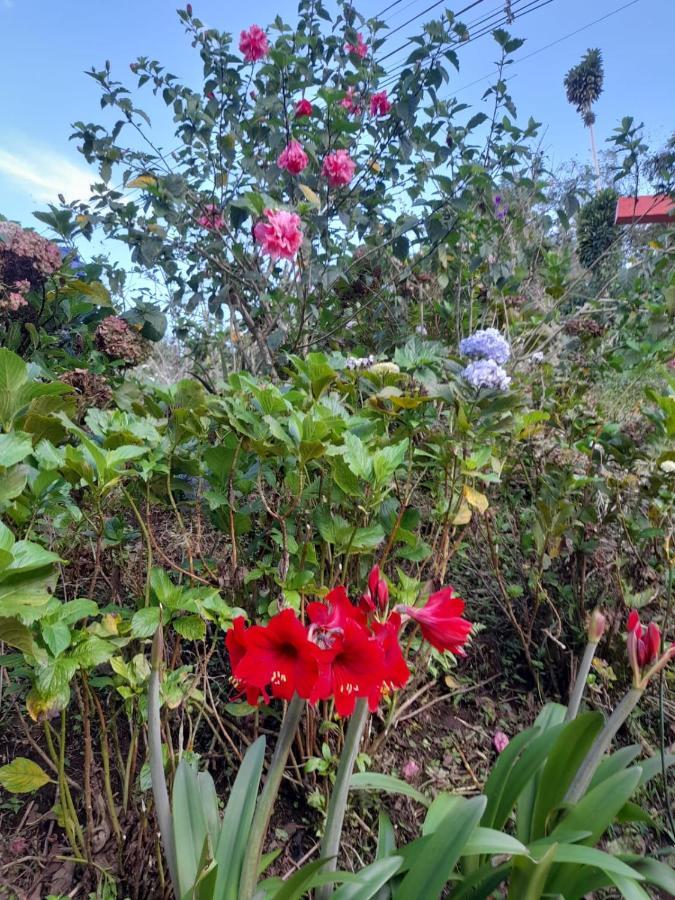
x: 668, y: 466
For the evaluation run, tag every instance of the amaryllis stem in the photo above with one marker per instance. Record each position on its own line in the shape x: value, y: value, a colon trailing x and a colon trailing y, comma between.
x: 265, y: 805
x: 580, y: 682
x: 601, y: 745
x: 338, y: 799
x: 159, y: 789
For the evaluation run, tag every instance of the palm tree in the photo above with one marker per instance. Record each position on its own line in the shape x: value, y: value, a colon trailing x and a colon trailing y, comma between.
x: 583, y: 84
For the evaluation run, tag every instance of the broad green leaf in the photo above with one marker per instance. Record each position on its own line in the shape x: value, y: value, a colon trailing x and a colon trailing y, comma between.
x: 192, y: 628
x: 23, y: 776
x: 386, y: 846
x: 13, y: 376
x: 56, y: 636
x: 92, y: 652
x: 655, y: 872
x: 490, y: 842
x: 388, y: 460
x: 16, y: 635
x: 145, y: 621
x: 356, y: 455
x: 652, y: 767
x: 14, y: 448
x: 375, y: 781
x: 579, y: 855
x: 528, y: 878
x: 12, y: 483
x: 189, y: 824
x: 29, y: 556
x: 617, y: 761
x: 598, y: 808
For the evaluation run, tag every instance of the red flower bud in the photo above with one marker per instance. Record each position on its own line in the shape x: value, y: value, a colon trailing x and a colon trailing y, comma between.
x: 596, y: 626
x: 382, y: 593
x: 373, y: 579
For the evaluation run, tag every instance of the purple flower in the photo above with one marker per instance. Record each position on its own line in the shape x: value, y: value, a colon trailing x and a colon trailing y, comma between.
x: 486, y: 373
x: 488, y: 343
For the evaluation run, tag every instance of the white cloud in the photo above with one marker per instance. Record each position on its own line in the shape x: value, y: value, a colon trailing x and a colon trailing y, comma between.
x: 44, y: 174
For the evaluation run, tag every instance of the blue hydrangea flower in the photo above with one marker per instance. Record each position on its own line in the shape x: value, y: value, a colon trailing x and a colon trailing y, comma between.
x: 488, y: 343
x: 486, y: 373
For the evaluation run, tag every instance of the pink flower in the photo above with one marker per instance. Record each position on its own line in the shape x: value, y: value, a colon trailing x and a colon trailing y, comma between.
x: 500, y: 741
x: 379, y: 104
x: 360, y: 48
x: 211, y: 218
x: 253, y: 44
x: 338, y: 168
x: 293, y: 159
x: 410, y: 770
x: 349, y: 102
x: 303, y: 108
x: 280, y: 236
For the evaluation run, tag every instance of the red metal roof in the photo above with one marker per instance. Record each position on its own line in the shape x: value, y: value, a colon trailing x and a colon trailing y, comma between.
x: 644, y: 210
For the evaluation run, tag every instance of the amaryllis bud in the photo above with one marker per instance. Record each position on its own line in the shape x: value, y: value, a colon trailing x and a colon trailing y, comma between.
x: 596, y: 626
x: 652, y: 643
x: 382, y: 593
x: 373, y: 579
x: 366, y: 602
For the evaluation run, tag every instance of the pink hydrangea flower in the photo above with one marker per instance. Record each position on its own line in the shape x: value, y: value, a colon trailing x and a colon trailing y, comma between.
x: 379, y: 104
x: 350, y: 103
x: 254, y: 44
x: 293, y: 158
x: 211, y: 218
x: 500, y: 741
x: 360, y: 48
x: 303, y: 108
x: 338, y: 168
x: 280, y: 236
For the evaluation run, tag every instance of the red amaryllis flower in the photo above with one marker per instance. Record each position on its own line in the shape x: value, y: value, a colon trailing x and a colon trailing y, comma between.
x: 331, y: 613
x: 643, y: 646
x: 396, y: 671
x: 303, y: 108
x: 279, y: 654
x: 253, y: 44
x: 235, y: 641
x: 441, y: 621
x: 352, y: 667
x: 379, y: 104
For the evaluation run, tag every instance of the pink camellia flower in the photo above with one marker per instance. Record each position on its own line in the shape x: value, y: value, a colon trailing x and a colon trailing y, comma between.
x: 303, y: 108
x: 500, y: 741
x: 293, y: 158
x: 441, y: 621
x: 338, y: 168
x: 350, y: 103
x: 379, y: 104
x: 411, y: 770
x: 254, y: 44
x: 212, y: 218
x: 360, y: 48
x: 280, y: 236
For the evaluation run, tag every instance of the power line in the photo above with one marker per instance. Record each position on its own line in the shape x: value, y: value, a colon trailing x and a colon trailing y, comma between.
x: 559, y: 40
x: 418, y: 16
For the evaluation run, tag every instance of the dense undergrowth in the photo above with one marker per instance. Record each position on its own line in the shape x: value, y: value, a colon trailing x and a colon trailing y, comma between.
x: 336, y: 428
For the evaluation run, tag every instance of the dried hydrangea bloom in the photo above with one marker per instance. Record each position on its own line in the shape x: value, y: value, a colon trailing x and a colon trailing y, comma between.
x: 120, y: 342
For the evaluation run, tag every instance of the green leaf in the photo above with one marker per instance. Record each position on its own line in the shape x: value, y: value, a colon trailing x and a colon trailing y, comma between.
x: 370, y: 880
x: 145, y: 622
x: 23, y: 776
x: 14, y: 447
x: 655, y: 872
x: 388, y: 460
x: 92, y: 652
x: 12, y: 483
x: 16, y: 635
x: 652, y: 767
x: 356, y: 456
x: 598, y: 807
x: 528, y: 878
x: 367, y: 539
x: 192, y: 628
x: 189, y: 824
x: 436, y: 860
x: 375, y: 781
x: 562, y: 764
x: 237, y: 819
x: 56, y: 636
x: 13, y: 376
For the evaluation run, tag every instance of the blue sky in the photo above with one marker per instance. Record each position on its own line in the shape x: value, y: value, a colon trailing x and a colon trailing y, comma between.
x: 46, y: 46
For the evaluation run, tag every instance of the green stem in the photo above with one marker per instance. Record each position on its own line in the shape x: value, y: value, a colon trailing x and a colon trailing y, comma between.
x: 265, y: 805
x: 601, y: 745
x: 159, y: 789
x: 338, y: 800
x: 580, y: 682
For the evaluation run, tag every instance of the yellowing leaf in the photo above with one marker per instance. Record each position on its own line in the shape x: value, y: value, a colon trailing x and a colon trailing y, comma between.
x: 109, y: 623
x: 23, y: 776
x: 463, y: 516
x: 143, y: 181
x: 310, y: 195
x: 374, y: 166
x: 82, y: 220
x: 475, y: 498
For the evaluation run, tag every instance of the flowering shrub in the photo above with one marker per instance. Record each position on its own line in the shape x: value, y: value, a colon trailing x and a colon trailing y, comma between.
x: 280, y: 236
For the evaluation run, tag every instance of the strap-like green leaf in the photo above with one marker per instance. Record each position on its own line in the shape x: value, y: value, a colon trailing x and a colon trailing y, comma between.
x: 598, y: 808
x: 370, y: 880
x: 562, y: 764
x: 617, y: 761
x: 237, y: 821
x: 375, y: 781
x: 438, y: 856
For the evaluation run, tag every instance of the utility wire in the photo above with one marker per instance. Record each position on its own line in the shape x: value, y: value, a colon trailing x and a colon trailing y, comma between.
x: 559, y: 40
